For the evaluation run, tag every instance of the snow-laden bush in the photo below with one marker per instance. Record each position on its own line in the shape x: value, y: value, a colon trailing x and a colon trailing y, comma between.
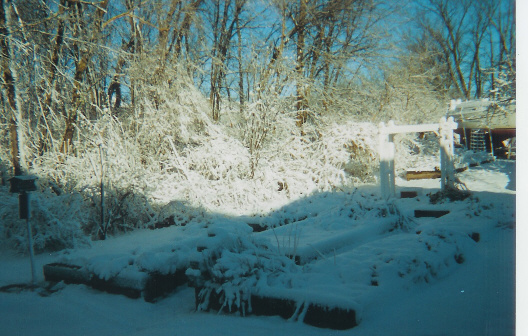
x: 106, y: 161
x: 125, y: 156
x: 271, y: 164
x: 325, y: 158
x: 56, y: 222
x: 165, y: 148
x: 223, y: 175
x: 169, y: 108
x: 238, y: 268
x: 212, y: 174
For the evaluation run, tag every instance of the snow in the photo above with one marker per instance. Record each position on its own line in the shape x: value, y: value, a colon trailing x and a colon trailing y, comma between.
x: 477, y: 300
x: 348, y: 240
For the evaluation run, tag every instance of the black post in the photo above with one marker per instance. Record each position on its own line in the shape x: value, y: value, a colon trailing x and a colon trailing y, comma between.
x: 103, y: 226
x: 24, y: 212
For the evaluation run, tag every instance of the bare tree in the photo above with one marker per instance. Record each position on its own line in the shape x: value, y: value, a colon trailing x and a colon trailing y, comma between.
x: 9, y: 87
x: 52, y: 83
x: 466, y: 32
x: 85, y: 53
x: 225, y: 25
x: 327, y: 36
x: 502, y: 51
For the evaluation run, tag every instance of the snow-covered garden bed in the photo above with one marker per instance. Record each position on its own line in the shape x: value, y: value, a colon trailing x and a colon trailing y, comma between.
x: 341, y: 251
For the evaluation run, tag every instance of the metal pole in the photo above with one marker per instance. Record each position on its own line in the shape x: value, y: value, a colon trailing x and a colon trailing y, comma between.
x: 30, y: 243
x: 103, y: 226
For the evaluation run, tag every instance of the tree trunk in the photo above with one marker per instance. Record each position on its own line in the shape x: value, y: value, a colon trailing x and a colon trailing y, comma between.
x: 53, y: 67
x: 223, y: 34
x: 302, y: 114
x: 240, y: 66
x: 9, y: 82
x: 186, y: 25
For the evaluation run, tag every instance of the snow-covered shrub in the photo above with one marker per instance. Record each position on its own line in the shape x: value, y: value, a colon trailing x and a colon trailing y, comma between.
x: 181, y: 214
x: 449, y: 194
x: 259, y: 121
x: 236, y: 269
x: 170, y: 107
x: 106, y: 158
x: 325, y: 158
x: 218, y: 158
x: 212, y: 174
x: 266, y: 166
x: 125, y: 156
x: 164, y: 148
x: 356, y: 145
x: 56, y: 222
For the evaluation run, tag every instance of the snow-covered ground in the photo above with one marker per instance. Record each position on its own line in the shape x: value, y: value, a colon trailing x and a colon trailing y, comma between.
x: 354, y: 242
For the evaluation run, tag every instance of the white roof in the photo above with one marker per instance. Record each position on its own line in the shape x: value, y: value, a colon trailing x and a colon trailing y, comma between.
x: 482, y: 113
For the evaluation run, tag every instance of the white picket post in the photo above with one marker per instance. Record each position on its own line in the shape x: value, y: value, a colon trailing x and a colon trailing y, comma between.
x: 391, y: 152
x: 383, y: 140
x: 447, y: 152
x: 386, y: 152
x: 391, y: 170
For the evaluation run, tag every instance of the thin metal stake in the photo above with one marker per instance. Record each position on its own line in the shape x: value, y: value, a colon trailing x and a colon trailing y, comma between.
x: 30, y: 243
x: 103, y: 226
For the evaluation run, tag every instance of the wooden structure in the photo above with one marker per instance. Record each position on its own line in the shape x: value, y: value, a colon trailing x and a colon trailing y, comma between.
x: 484, y: 126
x: 387, y: 151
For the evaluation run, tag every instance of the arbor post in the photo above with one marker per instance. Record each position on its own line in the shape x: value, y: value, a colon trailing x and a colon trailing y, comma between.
x: 386, y: 152
x: 447, y: 152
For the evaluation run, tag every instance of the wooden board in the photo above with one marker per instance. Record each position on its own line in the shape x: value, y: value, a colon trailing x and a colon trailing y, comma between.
x: 430, y: 213
x: 408, y: 194
x: 153, y: 286
x: 421, y: 175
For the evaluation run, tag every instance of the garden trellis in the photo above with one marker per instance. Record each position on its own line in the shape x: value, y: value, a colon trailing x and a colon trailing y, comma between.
x: 387, y: 151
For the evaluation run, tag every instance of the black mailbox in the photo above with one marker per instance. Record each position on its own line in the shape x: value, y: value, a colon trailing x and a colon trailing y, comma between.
x: 21, y: 184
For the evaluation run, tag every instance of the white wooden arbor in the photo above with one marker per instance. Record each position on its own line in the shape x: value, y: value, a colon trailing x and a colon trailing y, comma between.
x: 387, y: 151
